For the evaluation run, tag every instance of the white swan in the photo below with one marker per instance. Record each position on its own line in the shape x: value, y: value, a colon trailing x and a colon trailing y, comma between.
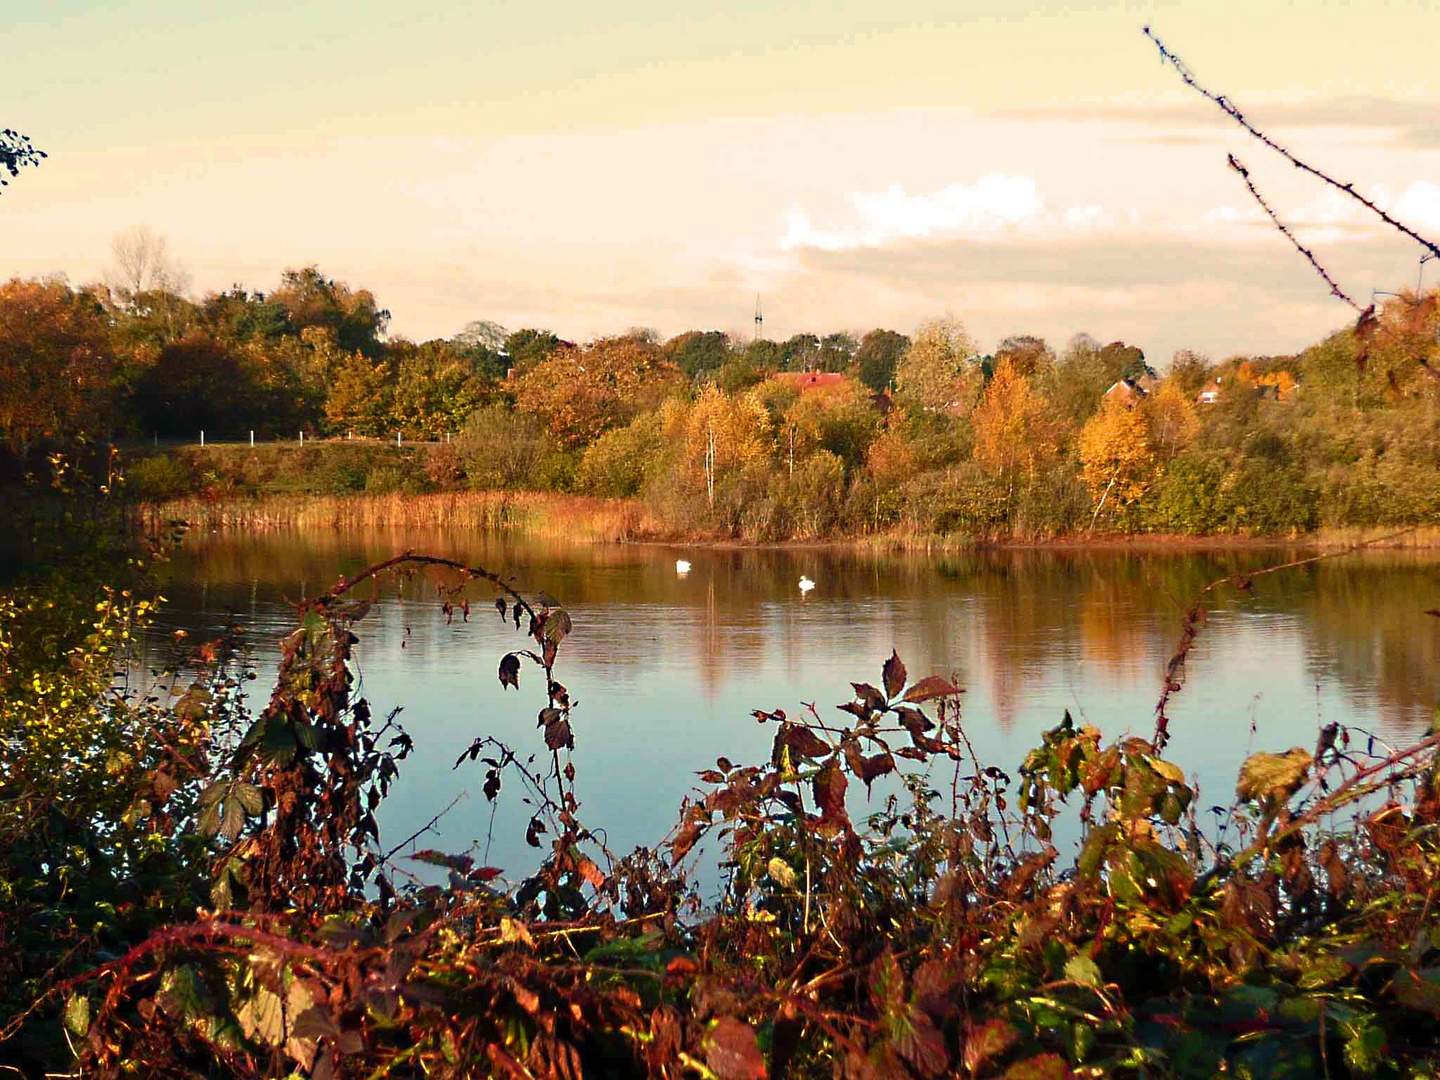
x: 805, y: 584
x: 682, y: 567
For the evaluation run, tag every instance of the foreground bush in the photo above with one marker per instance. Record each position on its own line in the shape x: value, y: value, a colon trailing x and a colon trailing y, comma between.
x: 208, y: 894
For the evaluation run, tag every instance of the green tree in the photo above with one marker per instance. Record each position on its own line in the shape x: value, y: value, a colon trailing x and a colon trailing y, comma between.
x: 202, y: 384
x: 436, y: 388
x: 697, y: 352
x: 877, y: 357
x: 526, y: 348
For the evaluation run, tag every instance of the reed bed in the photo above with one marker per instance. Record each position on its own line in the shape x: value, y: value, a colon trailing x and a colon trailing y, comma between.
x: 546, y: 515
x: 586, y: 519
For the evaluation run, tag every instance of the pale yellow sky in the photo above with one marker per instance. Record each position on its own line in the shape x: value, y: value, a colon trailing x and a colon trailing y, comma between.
x: 1024, y: 167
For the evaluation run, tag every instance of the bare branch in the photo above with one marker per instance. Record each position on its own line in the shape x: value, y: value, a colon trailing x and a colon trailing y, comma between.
x: 1233, y: 111
x: 1335, y: 289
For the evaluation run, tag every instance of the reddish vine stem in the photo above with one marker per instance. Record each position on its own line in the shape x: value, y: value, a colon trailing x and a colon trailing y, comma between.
x: 1327, y: 803
x: 1195, y: 616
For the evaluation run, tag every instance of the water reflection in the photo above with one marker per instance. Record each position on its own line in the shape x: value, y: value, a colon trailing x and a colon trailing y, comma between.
x: 667, y: 668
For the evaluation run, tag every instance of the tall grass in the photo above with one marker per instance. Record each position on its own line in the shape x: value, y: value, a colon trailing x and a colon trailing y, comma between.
x: 546, y: 515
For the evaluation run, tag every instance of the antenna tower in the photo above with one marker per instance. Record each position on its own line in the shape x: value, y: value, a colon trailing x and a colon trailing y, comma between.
x: 759, y: 318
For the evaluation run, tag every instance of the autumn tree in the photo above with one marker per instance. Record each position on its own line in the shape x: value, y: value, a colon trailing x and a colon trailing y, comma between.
x: 362, y: 397
x: 578, y: 394
x: 1190, y: 371
x: 1014, y: 431
x: 55, y: 363
x: 717, y: 435
x: 937, y: 374
x: 839, y: 419
x: 1029, y: 355
x: 1116, y: 456
x: 352, y: 315
x: 1171, y: 416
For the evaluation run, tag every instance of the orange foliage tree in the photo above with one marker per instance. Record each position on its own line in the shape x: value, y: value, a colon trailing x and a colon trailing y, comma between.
x: 1014, y: 430
x: 579, y: 394
x: 55, y: 362
x: 1117, y: 459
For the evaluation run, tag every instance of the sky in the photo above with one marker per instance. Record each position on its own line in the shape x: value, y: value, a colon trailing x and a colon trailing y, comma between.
x: 589, y: 168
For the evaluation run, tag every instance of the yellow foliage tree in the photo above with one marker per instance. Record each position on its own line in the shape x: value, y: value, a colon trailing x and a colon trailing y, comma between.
x: 889, y: 460
x: 936, y: 373
x: 718, y: 434
x: 1117, y: 459
x: 1172, y: 419
x: 1015, y: 432
x: 839, y: 418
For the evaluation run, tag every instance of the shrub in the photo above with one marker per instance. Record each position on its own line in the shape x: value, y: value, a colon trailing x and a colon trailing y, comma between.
x: 1189, y: 496
x: 503, y: 449
x: 1268, y: 499
x: 617, y: 463
x: 961, y: 499
x: 160, y: 477
x: 443, y: 468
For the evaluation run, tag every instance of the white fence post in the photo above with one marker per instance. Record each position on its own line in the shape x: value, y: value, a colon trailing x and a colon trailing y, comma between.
x: 252, y: 437
x: 202, y: 436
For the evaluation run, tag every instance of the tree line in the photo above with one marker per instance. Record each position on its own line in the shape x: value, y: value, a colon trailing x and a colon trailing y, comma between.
x: 807, y: 437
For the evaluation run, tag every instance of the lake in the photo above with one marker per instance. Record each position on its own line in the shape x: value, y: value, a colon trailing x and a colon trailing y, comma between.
x: 667, y: 668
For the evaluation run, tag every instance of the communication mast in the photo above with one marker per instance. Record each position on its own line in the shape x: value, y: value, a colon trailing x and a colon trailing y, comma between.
x: 759, y: 318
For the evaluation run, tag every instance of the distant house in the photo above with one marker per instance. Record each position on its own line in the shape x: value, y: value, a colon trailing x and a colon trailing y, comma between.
x: 1129, y: 391
x: 1207, y: 397
x: 805, y: 381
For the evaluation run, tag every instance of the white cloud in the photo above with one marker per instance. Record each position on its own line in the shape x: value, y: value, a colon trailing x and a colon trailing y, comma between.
x: 1087, y: 217
x: 992, y: 203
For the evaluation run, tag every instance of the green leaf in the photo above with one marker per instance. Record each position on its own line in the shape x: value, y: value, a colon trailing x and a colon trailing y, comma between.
x: 1082, y: 969
x: 233, y: 820
x: 1365, y: 1047
x: 209, y: 823
x: 781, y: 873
x: 251, y: 799
x: 77, y: 1015
x: 1273, y: 778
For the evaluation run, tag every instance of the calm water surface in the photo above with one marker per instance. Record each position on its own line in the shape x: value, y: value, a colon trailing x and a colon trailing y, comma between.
x: 666, y: 669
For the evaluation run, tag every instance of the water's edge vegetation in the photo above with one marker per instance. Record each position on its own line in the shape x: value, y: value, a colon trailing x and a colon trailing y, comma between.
x: 588, y: 519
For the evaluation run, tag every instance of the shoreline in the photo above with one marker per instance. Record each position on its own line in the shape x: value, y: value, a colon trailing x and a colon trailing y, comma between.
x: 588, y: 520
